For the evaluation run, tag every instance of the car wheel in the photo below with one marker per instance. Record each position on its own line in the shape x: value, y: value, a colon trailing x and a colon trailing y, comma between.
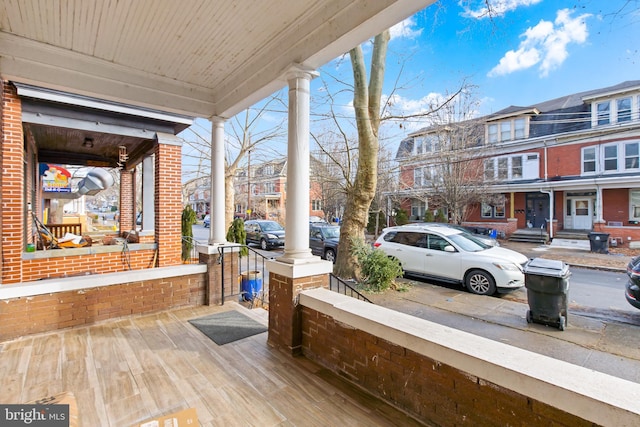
x: 263, y: 245
x: 330, y: 255
x: 480, y: 282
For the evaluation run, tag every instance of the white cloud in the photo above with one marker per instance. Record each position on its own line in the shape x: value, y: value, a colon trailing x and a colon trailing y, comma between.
x: 496, y: 7
x: 405, y: 29
x: 544, y: 44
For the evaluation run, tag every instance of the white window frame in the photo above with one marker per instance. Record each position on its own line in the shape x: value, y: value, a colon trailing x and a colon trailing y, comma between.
x: 634, y: 204
x: 607, y: 158
x: 635, y: 156
x: 628, y: 111
x: 603, y: 115
x: 595, y: 162
x: 499, y: 168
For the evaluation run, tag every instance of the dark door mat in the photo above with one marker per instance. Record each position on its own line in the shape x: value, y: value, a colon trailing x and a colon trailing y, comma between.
x: 229, y: 326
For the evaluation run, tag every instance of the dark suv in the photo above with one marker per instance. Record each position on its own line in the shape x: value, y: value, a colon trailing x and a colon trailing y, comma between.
x: 323, y: 240
x: 267, y: 234
x: 632, y: 288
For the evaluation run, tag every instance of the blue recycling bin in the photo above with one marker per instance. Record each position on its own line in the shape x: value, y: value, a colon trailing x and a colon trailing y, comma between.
x: 250, y: 285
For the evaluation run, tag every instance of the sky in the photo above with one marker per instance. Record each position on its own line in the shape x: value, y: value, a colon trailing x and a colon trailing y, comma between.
x: 521, y: 53
x: 524, y: 52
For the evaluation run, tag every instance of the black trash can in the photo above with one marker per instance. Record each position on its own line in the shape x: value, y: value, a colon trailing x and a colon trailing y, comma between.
x: 599, y: 242
x: 547, y: 283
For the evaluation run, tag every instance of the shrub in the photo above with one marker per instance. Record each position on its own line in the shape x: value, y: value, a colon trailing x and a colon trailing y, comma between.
x: 401, y: 217
x: 188, y: 219
x: 377, y: 269
x: 236, y: 234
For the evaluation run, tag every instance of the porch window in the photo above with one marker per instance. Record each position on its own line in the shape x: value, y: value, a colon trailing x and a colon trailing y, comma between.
x: 499, y: 211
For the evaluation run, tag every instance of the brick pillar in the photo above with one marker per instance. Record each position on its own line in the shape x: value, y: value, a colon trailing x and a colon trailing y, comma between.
x: 127, y: 203
x: 12, y: 206
x: 221, y: 273
x: 168, y: 203
x: 285, y: 315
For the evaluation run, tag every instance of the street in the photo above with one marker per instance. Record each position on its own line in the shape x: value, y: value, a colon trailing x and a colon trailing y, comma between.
x: 593, y: 293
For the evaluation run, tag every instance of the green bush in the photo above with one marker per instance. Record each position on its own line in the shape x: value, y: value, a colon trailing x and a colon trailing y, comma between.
x: 401, y: 217
x: 377, y: 269
x: 236, y: 234
x: 188, y: 219
x: 428, y: 216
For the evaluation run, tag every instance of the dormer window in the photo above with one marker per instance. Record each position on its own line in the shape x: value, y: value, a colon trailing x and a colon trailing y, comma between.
x: 603, y: 112
x: 615, y: 110
x: 507, y: 130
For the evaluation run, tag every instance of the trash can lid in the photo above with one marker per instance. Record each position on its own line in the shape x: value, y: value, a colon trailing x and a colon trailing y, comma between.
x: 546, y: 267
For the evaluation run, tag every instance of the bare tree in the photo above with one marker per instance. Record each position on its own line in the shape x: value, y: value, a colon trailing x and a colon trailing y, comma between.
x: 246, y: 133
x: 366, y: 103
x: 451, y: 176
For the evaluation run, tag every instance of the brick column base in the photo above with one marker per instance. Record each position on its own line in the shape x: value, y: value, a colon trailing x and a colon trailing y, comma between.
x: 219, y: 271
x: 285, y: 316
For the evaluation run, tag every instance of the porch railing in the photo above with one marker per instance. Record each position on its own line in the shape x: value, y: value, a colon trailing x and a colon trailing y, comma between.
x: 252, y: 285
x: 341, y: 286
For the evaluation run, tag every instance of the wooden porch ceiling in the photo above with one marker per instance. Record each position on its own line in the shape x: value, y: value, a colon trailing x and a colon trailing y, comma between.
x: 199, y: 58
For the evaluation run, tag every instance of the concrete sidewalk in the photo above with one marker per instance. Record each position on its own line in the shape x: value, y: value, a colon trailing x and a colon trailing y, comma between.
x: 608, y: 346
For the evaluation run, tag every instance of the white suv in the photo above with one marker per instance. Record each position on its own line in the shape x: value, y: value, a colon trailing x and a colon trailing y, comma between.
x: 450, y: 255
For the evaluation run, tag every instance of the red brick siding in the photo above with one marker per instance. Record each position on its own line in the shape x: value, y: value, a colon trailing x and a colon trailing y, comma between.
x: 564, y: 160
x: 168, y: 204
x: 112, y: 262
x: 615, y: 205
x: 43, y: 313
x: 12, y: 193
x: 430, y: 390
x: 127, y: 202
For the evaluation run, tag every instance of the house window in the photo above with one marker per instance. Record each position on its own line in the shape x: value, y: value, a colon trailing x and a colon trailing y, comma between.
x: 589, y: 159
x: 489, y: 170
x: 634, y: 205
x: 487, y: 210
x: 503, y: 168
x: 417, y: 209
x: 499, y: 211
x: 419, y: 178
x: 611, y: 158
x: 516, y: 167
x: 505, y: 131
x: 631, y: 155
x: 430, y: 143
x: 268, y: 170
x: 419, y: 144
x: 624, y: 109
x: 603, y: 112
x: 518, y: 128
x: 316, y: 205
x: 493, y: 133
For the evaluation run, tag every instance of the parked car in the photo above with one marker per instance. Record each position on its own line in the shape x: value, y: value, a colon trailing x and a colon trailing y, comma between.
x: 632, y: 288
x: 323, y: 240
x: 486, y: 239
x: 449, y: 255
x: 268, y: 234
x: 206, y: 222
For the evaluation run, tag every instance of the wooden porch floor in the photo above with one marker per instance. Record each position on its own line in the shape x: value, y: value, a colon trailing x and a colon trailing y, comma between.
x: 128, y: 370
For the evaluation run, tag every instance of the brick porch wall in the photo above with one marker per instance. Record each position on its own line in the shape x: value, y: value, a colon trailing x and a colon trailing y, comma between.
x: 428, y: 389
x: 49, y: 312
x: 87, y: 264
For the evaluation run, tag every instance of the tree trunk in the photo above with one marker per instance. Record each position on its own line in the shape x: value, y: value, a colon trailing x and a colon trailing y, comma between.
x: 366, y: 102
x: 229, y: 197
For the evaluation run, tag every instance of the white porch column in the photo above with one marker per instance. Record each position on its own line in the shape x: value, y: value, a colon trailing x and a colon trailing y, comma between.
x: 296, y: 243
x: 217, y: 233
x: 148, y: 195
x: 598, y: 204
